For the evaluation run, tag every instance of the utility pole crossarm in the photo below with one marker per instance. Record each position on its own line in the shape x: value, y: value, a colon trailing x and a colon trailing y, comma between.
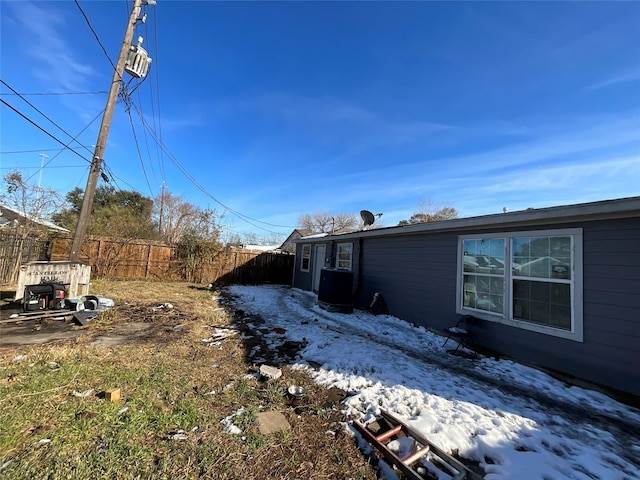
x: 96, y: 162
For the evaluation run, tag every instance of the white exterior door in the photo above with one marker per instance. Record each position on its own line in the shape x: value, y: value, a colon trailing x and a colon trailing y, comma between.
x: 318, y: 263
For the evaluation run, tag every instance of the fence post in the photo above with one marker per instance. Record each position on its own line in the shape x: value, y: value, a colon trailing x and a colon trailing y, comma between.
x: 146, y: 271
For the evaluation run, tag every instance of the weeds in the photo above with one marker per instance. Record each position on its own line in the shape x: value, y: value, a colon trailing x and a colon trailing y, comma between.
x: 168, y: 384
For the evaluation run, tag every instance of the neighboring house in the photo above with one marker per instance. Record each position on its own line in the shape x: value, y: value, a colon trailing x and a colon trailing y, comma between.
x: 288, y: 245
x: 557, y: 287
x: 10, y: 218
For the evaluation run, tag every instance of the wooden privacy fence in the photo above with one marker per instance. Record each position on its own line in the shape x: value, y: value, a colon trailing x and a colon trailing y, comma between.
x: 17, y: 248
x: 140, y: 259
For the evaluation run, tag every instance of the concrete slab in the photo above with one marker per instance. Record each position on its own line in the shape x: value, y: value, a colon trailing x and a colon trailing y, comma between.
x: 272, y: 422
x: 122, y: 334
x: 31, y: 333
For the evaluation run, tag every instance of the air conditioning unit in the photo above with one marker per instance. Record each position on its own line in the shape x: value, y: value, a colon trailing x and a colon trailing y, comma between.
x: 335, y: 290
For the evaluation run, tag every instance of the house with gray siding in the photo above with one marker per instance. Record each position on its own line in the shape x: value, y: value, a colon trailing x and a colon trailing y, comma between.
x: 554, y: 287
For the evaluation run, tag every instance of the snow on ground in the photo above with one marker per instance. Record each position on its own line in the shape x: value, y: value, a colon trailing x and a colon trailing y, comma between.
x: 517, y: 422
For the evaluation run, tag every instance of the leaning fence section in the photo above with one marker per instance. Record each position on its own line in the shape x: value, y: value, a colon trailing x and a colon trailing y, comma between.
x: 17, y: 248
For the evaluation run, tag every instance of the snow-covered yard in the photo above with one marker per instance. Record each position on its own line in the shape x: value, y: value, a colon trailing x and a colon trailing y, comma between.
x: 517, y: 422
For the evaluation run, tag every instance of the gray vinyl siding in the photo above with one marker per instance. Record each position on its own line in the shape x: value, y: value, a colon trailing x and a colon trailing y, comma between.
x: 302, y: 280
x: 417, y: 276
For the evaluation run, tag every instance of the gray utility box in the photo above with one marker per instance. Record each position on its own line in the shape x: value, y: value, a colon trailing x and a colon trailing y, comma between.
x: 335, y: 290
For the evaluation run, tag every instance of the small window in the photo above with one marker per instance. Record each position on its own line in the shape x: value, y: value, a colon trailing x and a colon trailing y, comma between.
x: 306, y: 258
x: 343, y: 257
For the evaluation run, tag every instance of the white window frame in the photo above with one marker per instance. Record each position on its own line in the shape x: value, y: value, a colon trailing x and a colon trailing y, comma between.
x: 306, y: 255
x: 342, y: 264
x: 506, y: 316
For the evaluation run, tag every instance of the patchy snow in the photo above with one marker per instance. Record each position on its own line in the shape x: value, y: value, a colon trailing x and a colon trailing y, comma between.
x: 517, y: 422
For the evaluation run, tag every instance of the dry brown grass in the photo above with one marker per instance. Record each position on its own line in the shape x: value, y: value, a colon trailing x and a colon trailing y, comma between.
x: 166, y: 376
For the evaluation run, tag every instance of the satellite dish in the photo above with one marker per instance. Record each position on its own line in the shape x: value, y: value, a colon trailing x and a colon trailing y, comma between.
x: 368, y: 218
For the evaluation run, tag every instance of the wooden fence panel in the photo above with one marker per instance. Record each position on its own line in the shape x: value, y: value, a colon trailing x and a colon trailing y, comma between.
x: 139, y: 259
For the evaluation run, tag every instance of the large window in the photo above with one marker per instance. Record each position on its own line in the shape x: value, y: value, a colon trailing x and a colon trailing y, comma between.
x: 531, y: 280
x: 306, y: 258
x: 343, y: 256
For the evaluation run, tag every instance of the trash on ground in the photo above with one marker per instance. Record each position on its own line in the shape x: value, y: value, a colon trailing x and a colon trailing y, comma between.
x: 112, y: 395
x: 84, y: 394
x: 89, y: 302
x: 83, y: 317
x: 44, y: 441
x: 179, y: 435
x: 19, y: 358
x: 280, y: 331
x: 219, y: 334
x: 269, y: 372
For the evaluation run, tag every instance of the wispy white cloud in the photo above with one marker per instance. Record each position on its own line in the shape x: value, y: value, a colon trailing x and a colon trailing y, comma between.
x: 615, y: 80
x: 53, y: 59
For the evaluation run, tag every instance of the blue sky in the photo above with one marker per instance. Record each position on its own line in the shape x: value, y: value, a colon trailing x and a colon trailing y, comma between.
x: 282, y: 108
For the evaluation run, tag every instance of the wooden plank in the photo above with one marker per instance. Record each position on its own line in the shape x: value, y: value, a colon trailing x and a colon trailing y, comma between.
x: 24, y: 318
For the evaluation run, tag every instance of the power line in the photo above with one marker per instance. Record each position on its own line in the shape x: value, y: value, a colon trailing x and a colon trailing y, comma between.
x: 44, y: 131
x: 184, y: 171
x: 157, y: 77
x: 146, y: 143
x: 39, y: 150
x: 36, y: 108
x: 38, y: 167
x: 128, y: 102
x: 95, y: 34
x: 57, y: 93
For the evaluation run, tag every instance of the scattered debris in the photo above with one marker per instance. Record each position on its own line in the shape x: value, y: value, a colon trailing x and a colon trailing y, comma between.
x: 270, y: 373
x: 19, y: 358
x: 219, y: 334
x: 179, y: 435
x: 5, y: 465
x: 44, y: 441
x: 89, y: 302
x: 280, y: 331
x: 122, y: 410
x: 168, y: 306
x: 84, y: 394
x: 112, y: 395
x: 83, y: 317
x: 53, y: 365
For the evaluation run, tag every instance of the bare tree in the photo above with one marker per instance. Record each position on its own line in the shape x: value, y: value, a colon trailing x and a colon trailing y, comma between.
x: 429, y: 211
x: 325, y: 222
x: 33, y: 202
x: 35, y: 205
x: 175, y: 216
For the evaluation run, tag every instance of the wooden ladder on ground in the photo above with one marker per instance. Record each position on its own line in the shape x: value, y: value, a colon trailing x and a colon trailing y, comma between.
x: 424, y: 448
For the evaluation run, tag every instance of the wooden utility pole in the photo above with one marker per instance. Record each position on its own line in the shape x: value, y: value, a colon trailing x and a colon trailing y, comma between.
x: 96, y: 162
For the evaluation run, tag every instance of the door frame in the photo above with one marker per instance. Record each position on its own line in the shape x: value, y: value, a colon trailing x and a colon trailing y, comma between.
x: 318, y: 264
